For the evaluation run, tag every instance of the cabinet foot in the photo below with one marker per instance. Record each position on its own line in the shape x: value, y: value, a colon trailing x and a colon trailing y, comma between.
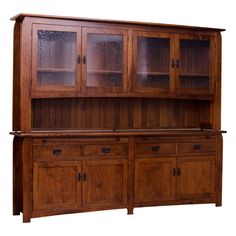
x: 15, y: 212
x: 26, y: 219
x: 130, y: 211
x: 218, y: 204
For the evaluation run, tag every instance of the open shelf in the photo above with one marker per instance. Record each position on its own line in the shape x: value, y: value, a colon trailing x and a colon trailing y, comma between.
x: 153, y: 73
x: 104, y: 72
x: 194, y: 75
x: 56, y: 70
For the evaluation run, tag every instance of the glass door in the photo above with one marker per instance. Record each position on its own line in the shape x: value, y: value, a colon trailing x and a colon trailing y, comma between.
x: 151, y: 57
x: 55, y: 57
x: 194, y: 63
x: 104, y: 60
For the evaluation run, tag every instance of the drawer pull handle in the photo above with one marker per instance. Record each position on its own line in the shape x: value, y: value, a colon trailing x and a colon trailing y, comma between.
x: 155, y: 148
x: 106, y: 149
x: 197, y: 147
x: 56, y: 151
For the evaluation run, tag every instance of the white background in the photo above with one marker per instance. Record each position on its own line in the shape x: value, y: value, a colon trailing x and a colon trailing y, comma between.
x: 168, y: 220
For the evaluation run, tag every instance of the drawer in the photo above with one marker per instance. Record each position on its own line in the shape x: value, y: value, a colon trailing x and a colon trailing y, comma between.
x: 56, y: 151
x: 197, y: 147
x: 154, y: 148
x: 120, y: 149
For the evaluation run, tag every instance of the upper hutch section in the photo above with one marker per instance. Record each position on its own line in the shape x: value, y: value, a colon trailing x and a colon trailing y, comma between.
x: 73, y: 57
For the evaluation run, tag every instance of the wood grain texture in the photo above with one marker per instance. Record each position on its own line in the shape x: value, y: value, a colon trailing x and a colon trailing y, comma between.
x: 25, y: 79
x: 131, y: 113
x: 27, y: 173
x: 106, y: 182
x: 55, y: 185
x: 196, y: 177
x: 17, y: 176
x: 16, y: 125
x: 154, y: 180
x: 21, y: 16
x: 219, y: 171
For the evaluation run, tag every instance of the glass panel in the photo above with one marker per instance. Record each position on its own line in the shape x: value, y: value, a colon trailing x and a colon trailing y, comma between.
x: 56, y: 58
x: 153, y: 62
x: 104, y: 60
x: 194, y: 64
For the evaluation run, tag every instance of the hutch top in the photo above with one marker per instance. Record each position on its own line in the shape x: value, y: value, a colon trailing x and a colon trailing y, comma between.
x: 85, y: 74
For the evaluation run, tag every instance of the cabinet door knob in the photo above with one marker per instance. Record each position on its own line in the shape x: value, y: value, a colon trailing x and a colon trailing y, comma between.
x: 155, y: 148
x: 84, y: 59
x: 84, y: 177
x: 106, y: 149
x: 56, y: 151
x: 78, y: 59
x: 174, y: 172
x: 177, y: 63
x: 172, y: 63
x: 178, y: 171
x: 79, y: 177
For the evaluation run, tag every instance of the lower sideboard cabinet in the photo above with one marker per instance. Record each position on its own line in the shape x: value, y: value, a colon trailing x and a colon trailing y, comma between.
x: 66, y: 181
x: 63, y: 186
x: 174, y: 172
x: 167, y: 178
x: 74, y: 175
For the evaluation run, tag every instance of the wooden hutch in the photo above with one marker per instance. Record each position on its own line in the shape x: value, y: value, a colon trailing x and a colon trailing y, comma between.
x: 114, y: 114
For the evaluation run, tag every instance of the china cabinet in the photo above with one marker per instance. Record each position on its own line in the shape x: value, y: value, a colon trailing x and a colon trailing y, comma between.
x: 114, y: 114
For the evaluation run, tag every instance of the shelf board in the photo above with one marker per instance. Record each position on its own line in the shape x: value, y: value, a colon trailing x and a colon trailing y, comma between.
x: 153, y: 73
x: 55, y: 70
x: 116, y: 133
x: 194, y: 75
x: 104, y: 72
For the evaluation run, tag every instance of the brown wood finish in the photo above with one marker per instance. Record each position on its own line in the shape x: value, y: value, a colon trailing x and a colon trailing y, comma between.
x: 154, y: 148
x: 27, y: 179
x: 118, y: 113
x: 55, y: 185
x: 106, y: 183
x: 48, y: 62
x: 110, y: 115
x: 218, y: 171
x: 196, y: 177
x: 17, y: 176
x: 154, y: 180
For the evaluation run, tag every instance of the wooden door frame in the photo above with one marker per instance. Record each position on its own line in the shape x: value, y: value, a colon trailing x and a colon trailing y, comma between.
x: 58, y: 88
x: 105, y: 31
x: 200, y: 37
x: 152, y: 34
x: 87, y: 163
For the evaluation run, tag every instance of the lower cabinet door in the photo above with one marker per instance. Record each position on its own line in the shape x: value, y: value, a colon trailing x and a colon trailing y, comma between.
x: 56, y: 185
x: 196, y: 177
x: 154, y: 180
x: 106, y: 182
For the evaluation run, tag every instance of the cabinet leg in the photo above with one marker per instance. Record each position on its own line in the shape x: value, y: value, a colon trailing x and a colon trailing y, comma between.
x: 17, y: 177
x: 15, y: 212
x: 26, y: 219
x: 130, y: 211
x: 219, y: 165
x: 27, y: 179
x: 219, y: 203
